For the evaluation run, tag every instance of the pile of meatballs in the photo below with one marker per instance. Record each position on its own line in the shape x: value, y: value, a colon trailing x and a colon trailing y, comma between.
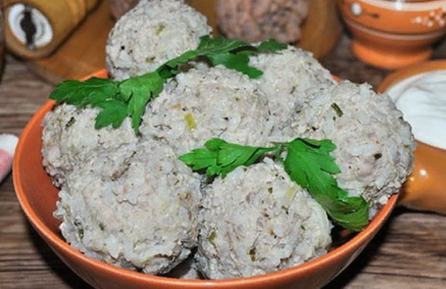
x: 128, y: 200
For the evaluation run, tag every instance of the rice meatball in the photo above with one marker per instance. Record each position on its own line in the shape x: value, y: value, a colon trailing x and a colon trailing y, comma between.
x: 374, y: 143
x: 70, y: 141
x: 152, y: 33
x: 205, y: 103
x: 287, y: 76
x: 255, y: 221
x: 145, y: 220
x: 259, y: 20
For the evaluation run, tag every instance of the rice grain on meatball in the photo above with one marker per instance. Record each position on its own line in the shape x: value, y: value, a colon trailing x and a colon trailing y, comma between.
x: 255, y: 221
x: 146, y: 219
x: 205, y: 103
x: 374, y: 143
x: 152, y: 33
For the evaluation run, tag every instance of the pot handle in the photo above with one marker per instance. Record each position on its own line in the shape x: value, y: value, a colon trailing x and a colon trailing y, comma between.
x: 425, y: 189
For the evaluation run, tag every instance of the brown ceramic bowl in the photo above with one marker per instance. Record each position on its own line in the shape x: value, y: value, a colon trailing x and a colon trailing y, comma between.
x: 38, y: 197
x: 426, y: 187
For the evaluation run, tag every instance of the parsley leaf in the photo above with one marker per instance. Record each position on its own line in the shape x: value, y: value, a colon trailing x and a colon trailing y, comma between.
x: 113, y: 113
x: 238, y: 61
x: 209, y: 45
x: 80, y: 93
x: 309, y: 164
x: 138, y: 91
x: 233, y: 54
x: 134, y: 93
x: 219, y: 157
x: 271, y: 45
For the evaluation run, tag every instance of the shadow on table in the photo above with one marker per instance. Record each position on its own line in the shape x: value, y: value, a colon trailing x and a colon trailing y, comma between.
x: 365, y: 257
x: 68, y: 277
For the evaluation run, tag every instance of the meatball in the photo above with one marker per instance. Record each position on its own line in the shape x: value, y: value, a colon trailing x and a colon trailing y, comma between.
x: 259, y: 20
x: 146, y: 219
x: 70, y: 141
x: 374, y: 143
x: 152, y: 33
x: 287, y: 75
x: 255, y: 221
x: 205, y: 103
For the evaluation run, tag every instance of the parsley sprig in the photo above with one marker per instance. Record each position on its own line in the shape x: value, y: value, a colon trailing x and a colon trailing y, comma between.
x: 308, y: 163
x: 128, y: 98
x: 218, y: 157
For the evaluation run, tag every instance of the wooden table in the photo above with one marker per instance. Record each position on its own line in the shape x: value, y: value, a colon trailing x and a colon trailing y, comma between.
x: 409, y: 252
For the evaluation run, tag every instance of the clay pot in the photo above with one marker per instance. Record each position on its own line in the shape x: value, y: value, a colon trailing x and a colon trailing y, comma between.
x: 393, y: 34
x: 425, y: 188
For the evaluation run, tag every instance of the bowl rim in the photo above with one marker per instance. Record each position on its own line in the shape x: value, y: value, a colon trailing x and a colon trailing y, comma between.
x: 282, y: 275
x: 409, y: 71
x: 404, y: 6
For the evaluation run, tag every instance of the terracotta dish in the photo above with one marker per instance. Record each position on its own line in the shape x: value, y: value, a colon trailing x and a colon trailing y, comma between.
x: 393, y: 34
x: 38, y: 197
x: 426, y: 187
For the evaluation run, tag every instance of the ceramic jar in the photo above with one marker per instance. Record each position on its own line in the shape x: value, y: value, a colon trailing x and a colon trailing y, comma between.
x: 393, y: 34
x: 425, y: 188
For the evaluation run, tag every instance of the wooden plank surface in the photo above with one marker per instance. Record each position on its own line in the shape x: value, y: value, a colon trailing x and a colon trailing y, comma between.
x: 409, y: 253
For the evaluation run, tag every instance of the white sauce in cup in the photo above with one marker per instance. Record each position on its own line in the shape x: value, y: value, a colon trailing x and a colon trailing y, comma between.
x: 422, y: 99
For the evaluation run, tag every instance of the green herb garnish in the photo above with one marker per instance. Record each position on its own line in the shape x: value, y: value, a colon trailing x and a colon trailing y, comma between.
x: 219, y: 158
x: 308, y: 163
x: 337, y: 109
x: 128, y: 98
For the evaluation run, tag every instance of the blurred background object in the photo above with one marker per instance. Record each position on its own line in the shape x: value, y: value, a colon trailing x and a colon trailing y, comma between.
x: 35, y: 28
x: 8, y: 143
x: 119, y: 7
x: 394, y: 34
x: 2, y: 43
x: 207, y: 7
x: 82, y: 51
x: 255, y: 21
x: 322, y: 29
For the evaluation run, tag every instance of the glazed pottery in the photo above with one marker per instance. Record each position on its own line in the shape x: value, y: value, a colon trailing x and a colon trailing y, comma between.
x: 394, y: 34
x: 38, y: 197
x: 426, y: 187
